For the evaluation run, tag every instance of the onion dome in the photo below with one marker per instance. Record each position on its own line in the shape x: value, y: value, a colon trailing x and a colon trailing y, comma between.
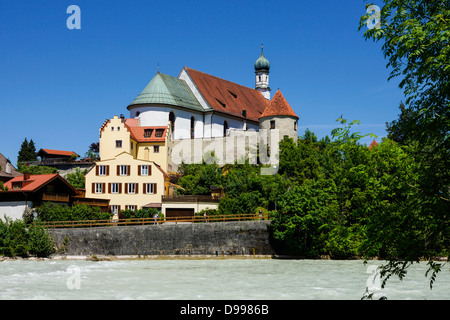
x: 262, y: 63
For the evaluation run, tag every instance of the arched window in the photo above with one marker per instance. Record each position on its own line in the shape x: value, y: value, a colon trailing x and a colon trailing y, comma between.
x: 172, y: 122
x: 225, y: 128
x: 192, y: 127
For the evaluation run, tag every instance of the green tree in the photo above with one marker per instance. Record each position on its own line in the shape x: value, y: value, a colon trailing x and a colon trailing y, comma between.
x: 27, y: 152
x: 76, y: 178
x: 415, y: 36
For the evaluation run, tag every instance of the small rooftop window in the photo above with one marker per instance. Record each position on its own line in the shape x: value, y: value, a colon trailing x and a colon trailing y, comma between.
x: 221, y: 103
x: 233, y: 94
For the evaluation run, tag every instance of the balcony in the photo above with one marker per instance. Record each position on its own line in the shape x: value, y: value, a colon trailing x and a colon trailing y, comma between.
x: 55, y: 197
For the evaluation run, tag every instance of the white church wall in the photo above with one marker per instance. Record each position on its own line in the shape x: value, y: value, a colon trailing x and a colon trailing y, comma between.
x: 159, y: 116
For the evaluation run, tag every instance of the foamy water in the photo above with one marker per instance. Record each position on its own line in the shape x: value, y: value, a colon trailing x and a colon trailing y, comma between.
x: 210, y: 279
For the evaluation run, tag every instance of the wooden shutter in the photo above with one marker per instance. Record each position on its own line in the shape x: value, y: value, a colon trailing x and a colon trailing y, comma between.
x: 118, y: 170
x: 126, y: 188
x: 149, y: 170
x: 93, y: 187
x: 137, y: 188
x: 107, y: 170
x: 103, y: 187
x: 139, y: 170
x: 97, y: 169
x: 154, y: 188
x: 128, y: 170
x: 120, y: 188
x: 109, y: 187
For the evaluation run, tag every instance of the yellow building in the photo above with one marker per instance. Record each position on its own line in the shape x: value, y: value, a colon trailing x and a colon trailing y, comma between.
x: 133, y: 163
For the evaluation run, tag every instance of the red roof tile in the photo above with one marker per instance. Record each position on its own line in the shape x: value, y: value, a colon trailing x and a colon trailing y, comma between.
x: 229, y: 97
x: 278, y: 107
x: 145, y: 134
x: 373, y: 144
x: 34, y: 182
x: 57, y: 152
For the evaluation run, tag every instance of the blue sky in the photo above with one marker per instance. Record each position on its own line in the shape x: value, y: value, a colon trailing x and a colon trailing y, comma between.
x: 57, y: 86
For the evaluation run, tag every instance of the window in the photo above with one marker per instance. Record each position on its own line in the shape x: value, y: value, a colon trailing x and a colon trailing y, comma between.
x: 150, y: 188
x: 148, y: 133
x: 192, y: 127
x: 115, y: 188
x: 118, y: 128
x: 225, y: 128
x: 123, y: 170
x: 221, y: 103
x: 172, y: 122
x: 118, y: 143
x: 131, y: 207
x: 131, y: 188
x: 295, y: 125
x: 17, y: 185
x: 112, y: 128
x: 98, y: 187
x: 102, y: 170
x: 155, y: 149
x: 115, y: 209
x: 159, y: 133
x: 143, y: 170
x: 272, y: 124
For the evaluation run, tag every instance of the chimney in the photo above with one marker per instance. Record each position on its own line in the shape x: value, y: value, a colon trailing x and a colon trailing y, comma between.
x: 26, y: 176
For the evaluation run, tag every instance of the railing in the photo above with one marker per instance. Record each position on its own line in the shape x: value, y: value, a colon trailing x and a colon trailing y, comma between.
x: 189, y: 198
x: 146, y: 221
x: 55, y: 197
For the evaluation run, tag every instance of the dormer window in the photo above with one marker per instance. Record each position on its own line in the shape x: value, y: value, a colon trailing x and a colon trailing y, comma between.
x: 147, y: 133
x: 159, y: 133
x: 16, y: 185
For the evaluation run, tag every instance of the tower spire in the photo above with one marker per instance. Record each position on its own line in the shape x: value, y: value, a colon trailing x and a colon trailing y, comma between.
x: 262, y: 67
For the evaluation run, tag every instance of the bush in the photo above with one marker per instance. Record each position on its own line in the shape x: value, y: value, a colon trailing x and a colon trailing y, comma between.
x: 141, y: 213
x: 17, y: 240
x: 40, y: 242
x: 57, y: 212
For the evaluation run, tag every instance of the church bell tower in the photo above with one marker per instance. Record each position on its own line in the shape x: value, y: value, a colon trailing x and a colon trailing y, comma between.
x: 262, y: 67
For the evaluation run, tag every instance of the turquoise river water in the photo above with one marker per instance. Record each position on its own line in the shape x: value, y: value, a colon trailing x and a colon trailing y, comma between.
x: 199, y: 279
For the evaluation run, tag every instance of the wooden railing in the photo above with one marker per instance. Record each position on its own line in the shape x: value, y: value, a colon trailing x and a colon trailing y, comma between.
x: 146, y: 221
x: 55, y: 197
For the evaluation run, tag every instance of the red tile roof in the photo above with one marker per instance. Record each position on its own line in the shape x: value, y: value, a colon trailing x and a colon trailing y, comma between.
x: 57, y: 152
x: 373, y: 144
x: 278, y: 107
x: 139, y: 134
x: 229, y: 97
x: 34, y: 182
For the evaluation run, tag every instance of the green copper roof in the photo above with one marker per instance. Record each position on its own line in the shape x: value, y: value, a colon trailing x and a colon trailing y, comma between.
x: 262, y: 63
x: 164, y: 89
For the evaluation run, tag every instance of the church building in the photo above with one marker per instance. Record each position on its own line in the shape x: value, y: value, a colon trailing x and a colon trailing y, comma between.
x: 194, y: 106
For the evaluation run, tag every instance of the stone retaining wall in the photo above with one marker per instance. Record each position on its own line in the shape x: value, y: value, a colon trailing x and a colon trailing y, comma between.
x: 225, y: 238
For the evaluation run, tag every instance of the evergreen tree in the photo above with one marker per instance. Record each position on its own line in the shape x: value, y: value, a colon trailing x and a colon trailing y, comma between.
x: 27, y: 152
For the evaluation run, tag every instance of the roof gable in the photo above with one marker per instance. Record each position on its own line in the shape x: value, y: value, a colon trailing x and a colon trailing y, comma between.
x: 278, y: 107
x: 7, y: 170
x: 228, y: 97
x: 35, y: 182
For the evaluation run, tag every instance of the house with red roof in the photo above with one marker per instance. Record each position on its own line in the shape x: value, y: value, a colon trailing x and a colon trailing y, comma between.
x: 50, y: 156
x: 29, y: 191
